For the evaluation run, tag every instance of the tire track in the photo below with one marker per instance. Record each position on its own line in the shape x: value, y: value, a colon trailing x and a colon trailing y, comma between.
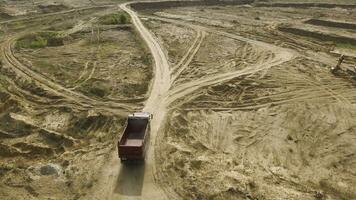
x: 252, y: 106
x: 119, y: 177
x: 188, y: 57
x: 85, y: 101
x: 187, y: 88
x: 161, y: 96
x: 85, y: 80
x: 53, y: 14
x: 281, y: 55
x: 84, y: 72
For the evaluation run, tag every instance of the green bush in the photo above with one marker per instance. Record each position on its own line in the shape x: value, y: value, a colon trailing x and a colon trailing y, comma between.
x: 346, y: 46
x: 40, y: 40
x: 98, y: 91
x: 33, y: 43
x: 115, y: 18
x: 123, y: 19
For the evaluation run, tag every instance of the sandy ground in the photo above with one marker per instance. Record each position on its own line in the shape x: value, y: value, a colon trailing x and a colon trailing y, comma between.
x: 137, y: 181
x: 63, y: 106
x: 243, y: 107
x: 257, y: 119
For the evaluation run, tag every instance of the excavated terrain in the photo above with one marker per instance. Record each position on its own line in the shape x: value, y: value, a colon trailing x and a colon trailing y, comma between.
x: 247, y: 109
x: 254, y: 112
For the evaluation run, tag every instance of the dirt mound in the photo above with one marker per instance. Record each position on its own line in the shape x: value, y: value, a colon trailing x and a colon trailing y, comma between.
x: 253, y: 112
x: 4, y: 15
x: 306, y: 5
x: 249, y: 138
x: 174, y: 4
x: 64, y: 136
x: 319, y: 35
x: 51, y: 145
x: 321, y: 22
x: 34, y: 150
x: 14, y: 128
x: 48, y: 8
x: 268, y: 134
x: 245, y: 162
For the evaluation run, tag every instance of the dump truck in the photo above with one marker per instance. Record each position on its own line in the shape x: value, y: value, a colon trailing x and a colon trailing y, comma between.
x: 135, y: 139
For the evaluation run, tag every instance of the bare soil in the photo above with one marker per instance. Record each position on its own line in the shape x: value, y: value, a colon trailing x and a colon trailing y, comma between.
x: 244, y: 103
x: 62, y: 106
x: 238, y: 131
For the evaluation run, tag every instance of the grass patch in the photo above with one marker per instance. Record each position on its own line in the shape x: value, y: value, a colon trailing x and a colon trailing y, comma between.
x: 61, y: 26
x: 146, y: 59
x: 40, y: 40
x: 346, y: 46
x: 95, y: 88
x: 135, y: 89
x: 115, y: 18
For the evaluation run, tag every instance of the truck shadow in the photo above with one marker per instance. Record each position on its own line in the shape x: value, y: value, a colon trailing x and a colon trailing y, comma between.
x: 130, y: 179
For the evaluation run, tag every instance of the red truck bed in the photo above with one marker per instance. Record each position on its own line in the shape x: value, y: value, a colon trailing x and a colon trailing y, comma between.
x: 132, y: 144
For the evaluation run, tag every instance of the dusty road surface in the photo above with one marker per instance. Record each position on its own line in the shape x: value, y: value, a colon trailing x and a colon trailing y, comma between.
x: 137, y: 181
x: 68, y: 80
x: 252, y: 115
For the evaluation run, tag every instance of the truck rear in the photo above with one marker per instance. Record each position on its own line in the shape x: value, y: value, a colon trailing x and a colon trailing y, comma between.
x: 135, y: 139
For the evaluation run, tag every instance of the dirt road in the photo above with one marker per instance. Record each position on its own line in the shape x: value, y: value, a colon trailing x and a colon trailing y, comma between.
x: 155, y: 105
x: 138, y: 182
x: 239, y: 107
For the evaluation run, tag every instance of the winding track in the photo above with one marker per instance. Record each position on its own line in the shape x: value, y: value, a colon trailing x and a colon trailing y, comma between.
x: 53, y: 14
x: 10, y: 59
x: 125, y: 181
x: 281, y: 55
x: 120, y: 182
x: 161, y: 96
x: 188, y: 57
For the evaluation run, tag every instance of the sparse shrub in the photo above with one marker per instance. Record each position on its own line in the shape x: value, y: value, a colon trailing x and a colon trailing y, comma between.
x: 89, y: 184
x: 97, y: 91
x: 40, y: 40
x: 346, y: 46
x: 53, y: 39
x: 123, y: 19
x: 97, y: 88
x: 235, y: 21
x: 135, y: 89
x: 146, y: 59
x: 115, y: 18
x: 32, y: 42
